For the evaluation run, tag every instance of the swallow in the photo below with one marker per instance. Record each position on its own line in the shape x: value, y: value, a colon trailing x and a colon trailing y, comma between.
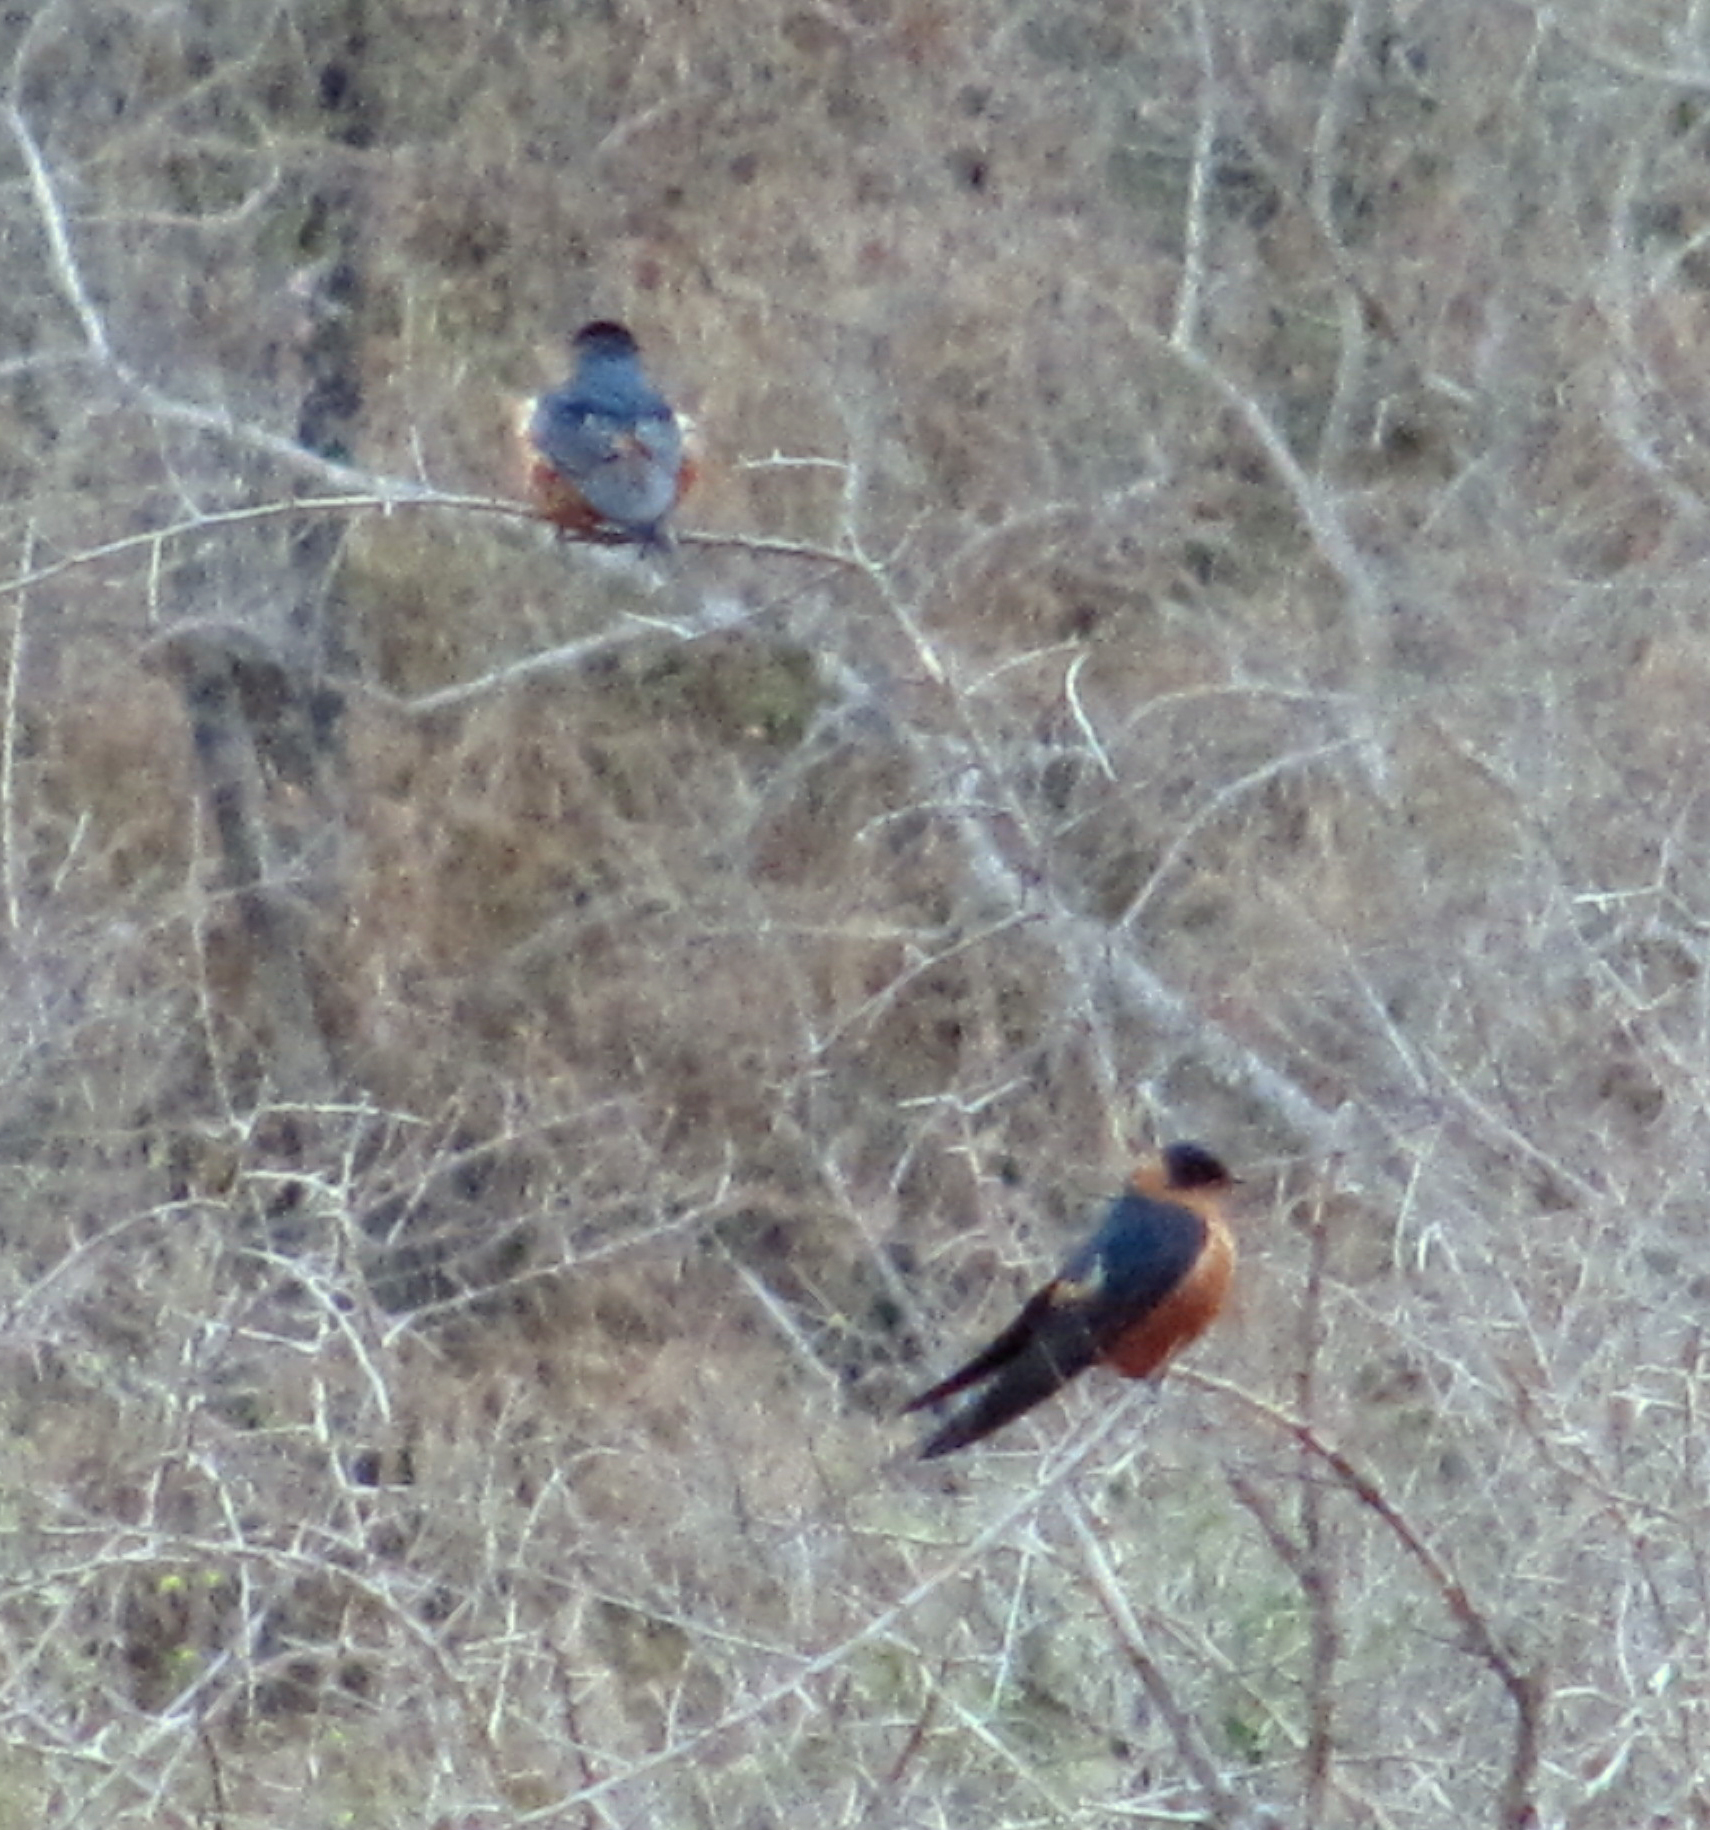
x: 1149, y: 1281
x: 606, y: 453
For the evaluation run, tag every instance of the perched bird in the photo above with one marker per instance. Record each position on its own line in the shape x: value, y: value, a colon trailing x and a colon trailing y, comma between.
x: 606, y: 457
x: 1148, y: 1282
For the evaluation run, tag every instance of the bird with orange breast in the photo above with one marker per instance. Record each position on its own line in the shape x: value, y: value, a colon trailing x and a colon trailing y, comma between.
x: 1149, y: 1281
x: 607, y: 457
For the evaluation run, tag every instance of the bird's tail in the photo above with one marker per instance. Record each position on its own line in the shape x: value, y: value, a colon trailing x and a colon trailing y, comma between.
x: 1028, y: 1378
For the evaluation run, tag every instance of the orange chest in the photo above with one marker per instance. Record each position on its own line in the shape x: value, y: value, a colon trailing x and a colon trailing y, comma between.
x: 1148, y: 1343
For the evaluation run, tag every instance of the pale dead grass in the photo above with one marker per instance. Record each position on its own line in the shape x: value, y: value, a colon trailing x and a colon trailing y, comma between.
x: 1245, y: 683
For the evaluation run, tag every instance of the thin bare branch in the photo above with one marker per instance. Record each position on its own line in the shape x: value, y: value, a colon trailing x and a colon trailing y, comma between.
x: 1528, y: 1690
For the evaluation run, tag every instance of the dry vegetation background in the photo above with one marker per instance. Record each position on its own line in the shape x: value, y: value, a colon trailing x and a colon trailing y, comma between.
x: 515, y: 1062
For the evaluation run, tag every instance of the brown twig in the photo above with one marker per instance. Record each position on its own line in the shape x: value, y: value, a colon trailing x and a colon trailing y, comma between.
x: 1527, y: 1690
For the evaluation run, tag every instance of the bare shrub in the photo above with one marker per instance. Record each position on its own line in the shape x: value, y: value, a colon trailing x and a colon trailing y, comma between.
x: 517, y: 1061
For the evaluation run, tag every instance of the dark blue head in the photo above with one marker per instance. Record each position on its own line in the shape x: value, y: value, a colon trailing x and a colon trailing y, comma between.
x: 1193, y: 1166
x: 605, y: 337
x: 609, y: 377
